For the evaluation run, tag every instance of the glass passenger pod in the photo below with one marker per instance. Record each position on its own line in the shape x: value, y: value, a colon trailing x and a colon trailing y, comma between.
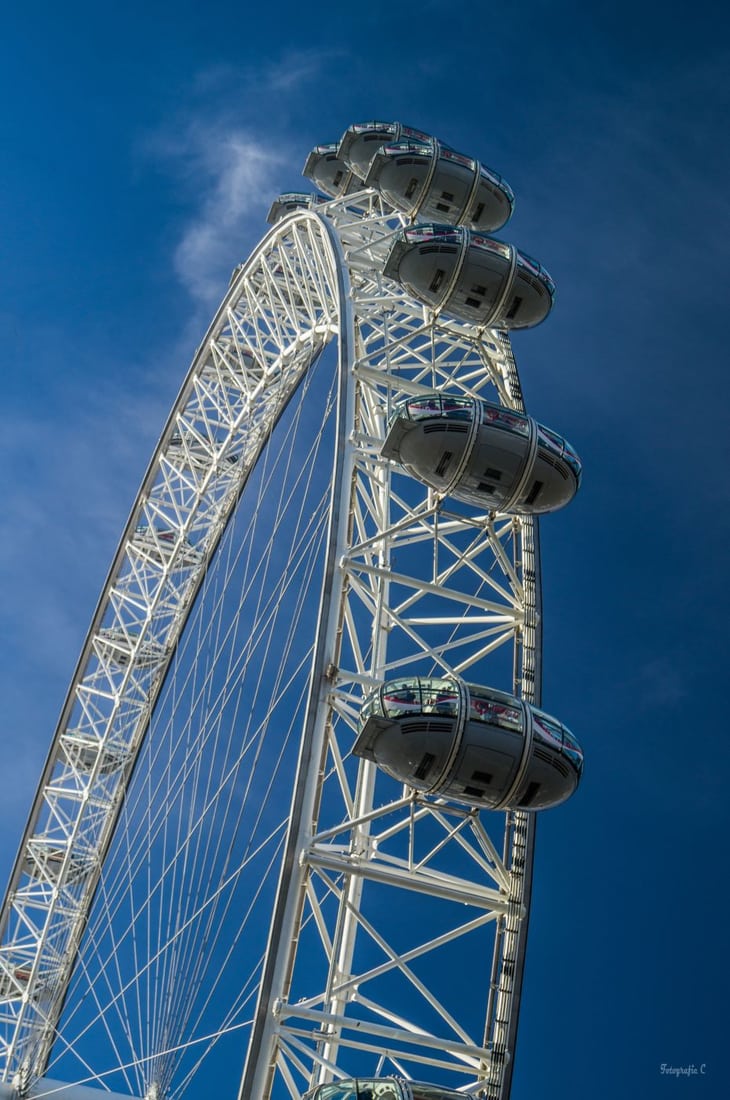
x: 471, y: 276
x: 504, y: 462
x: 473, y: 744
x: 429, y: 180
x: 381, y: 1088
x: 81, y: 753
x: 330, y: 174
x: 191, y: 453
x: 46, y: 862
x: 160, y: 543
x: 120, y: 647
x: 15, y: 975
x: 361, y: 141
x: 292, y: 200
x: 14, y: 978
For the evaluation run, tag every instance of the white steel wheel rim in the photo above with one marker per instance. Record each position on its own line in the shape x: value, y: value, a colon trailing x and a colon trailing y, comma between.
x: 295, y: 1046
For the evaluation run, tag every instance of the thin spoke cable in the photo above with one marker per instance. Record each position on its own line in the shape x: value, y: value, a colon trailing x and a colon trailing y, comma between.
x: 171, y: 757
x: 273, y: 602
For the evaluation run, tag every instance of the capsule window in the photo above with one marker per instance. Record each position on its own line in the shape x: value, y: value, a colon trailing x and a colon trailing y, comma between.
x: 530, y: 793
x: 440, y: 698
x: 422, y: 405
x: 474, y: 303
x: 337, y: 178
x: 482, y: 777
x: 411, y: 188
x: 547, y: 729
x: 480, y: 290
x: 477, y: 212
x: 443, y: 207
x: 403, y: 701
x: 425, y: 766
x: 457, y: 406
x: 484, y: 708
x: 443, y: 464
x: 495, y: 474
x: 447, y: 195
x: 516, y: 303
x: 532, y: 495
x: 437, y: 279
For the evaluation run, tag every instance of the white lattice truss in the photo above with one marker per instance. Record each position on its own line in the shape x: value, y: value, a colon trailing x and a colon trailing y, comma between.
x: 413, y: 585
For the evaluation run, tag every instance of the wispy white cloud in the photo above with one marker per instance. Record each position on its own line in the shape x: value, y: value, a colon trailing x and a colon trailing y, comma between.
x: 296, y: 68
x: 291, y: 71
x: 229, y: 165
x: 659, y: 683
x: 234, y: 172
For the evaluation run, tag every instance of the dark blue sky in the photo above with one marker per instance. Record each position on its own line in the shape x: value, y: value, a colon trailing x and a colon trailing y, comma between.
x: 142, y: 146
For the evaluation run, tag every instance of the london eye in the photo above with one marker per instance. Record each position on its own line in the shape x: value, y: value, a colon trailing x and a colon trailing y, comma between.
x: 287, y: 819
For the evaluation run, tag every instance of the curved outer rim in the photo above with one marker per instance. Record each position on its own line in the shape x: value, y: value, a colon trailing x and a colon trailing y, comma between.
x: 530, y: 683
x: 275, y: 235
x: 277, y: 966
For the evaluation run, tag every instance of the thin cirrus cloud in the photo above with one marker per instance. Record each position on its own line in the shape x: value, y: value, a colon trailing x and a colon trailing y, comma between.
x: 234, y: 166
x: 238, y: 173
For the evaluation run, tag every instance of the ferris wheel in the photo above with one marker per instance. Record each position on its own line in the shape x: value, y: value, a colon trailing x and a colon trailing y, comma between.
x: 287, y: 819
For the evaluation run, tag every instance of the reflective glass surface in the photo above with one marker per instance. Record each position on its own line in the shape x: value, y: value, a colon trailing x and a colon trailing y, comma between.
x: 489, y: 244
x: 551, y: 440
x: 341, y: 1090
x: 418, y: 233
x: 495, y: 708
x: 440, y: 697
x: 401, y: 699
x: 420, y: 408
x: 495, y: 177
x: 459, y: 407
x: 417, y: 135
x: 505, y: 418
x: 458, y: 158
x: 413, y: 695
x: 360, y: 1088
x: 378, y: 127
x: 571, y: 457
x: 434, y: 1092
x: 547, y: 729
x: 572, y: 750
x: 537, y: 268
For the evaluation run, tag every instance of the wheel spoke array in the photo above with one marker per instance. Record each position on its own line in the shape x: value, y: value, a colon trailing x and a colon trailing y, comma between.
x: 171, y: 894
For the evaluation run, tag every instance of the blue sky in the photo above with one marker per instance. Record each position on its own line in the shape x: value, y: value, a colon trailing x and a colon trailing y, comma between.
x: 142, y: 146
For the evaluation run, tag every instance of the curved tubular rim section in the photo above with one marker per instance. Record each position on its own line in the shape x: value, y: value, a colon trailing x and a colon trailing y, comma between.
x: 333, y: 238
x: 288, y: 905
x: 320, y: 333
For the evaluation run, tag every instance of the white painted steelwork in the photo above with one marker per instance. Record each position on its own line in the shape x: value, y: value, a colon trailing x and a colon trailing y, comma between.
x: 412, y: 584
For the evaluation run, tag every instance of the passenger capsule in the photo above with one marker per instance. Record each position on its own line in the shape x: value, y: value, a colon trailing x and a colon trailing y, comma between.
x: 190, y: 452
x: 361, y: 141
x: 81, y: 752
x: 487, y: 455
x: 286, y: 204
x: 14, y: 978
x: 46, y: 862
x: 381, y: 1088
x: 427, y: 180
x: 471, y: 276
x: 160, y: 543
x: 329, y: 173
x: 118, y: 646
x: 474, y: 744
